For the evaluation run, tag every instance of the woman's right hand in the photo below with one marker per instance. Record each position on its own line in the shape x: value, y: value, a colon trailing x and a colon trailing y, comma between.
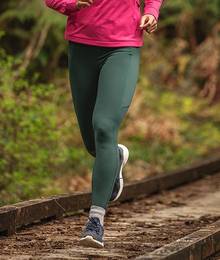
x: 83, y: 3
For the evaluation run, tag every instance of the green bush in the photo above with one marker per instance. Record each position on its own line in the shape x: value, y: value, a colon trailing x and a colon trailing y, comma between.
x: 28, y: 135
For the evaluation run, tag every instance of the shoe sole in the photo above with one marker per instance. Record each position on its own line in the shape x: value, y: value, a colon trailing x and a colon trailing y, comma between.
x: 91, y: 242
x: 125, y: 159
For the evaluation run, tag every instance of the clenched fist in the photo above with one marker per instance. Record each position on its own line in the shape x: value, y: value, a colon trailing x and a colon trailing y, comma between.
x: 148, y: 23
x: 83, y: 3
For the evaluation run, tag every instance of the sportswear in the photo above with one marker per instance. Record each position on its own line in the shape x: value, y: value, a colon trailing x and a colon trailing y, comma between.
x: 103, y: 81
x: 105, y: 22
x: 92, y: 234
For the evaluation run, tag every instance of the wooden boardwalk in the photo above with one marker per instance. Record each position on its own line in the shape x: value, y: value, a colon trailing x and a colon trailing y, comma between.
x: 182, y: 223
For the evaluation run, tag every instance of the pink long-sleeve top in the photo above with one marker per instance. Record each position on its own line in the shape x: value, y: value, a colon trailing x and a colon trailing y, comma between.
x: 105, y: 22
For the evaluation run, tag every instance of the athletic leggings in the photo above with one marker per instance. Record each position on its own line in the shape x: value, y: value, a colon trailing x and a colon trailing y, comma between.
x: 103, y: 81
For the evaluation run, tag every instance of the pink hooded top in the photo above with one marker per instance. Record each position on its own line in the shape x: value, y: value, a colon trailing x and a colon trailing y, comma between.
x: 105, y: 22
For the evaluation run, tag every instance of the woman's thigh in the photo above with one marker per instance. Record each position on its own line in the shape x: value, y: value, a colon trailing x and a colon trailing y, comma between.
x: 83, y: 75
x: 116, y: 85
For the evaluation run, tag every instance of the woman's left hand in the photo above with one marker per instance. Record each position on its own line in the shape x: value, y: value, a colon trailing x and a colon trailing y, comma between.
x: 148, y: 23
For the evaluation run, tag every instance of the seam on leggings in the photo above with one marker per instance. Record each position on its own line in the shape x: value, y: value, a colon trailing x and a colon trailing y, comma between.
x: 123, y: 95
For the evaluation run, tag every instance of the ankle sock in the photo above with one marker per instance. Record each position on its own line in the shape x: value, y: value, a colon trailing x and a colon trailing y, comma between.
x: 96, y: 211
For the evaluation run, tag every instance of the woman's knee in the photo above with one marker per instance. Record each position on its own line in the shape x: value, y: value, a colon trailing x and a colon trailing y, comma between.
x: 105, y: 129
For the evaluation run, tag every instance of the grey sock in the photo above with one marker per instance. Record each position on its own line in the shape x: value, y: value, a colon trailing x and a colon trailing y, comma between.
x: 96, y: 211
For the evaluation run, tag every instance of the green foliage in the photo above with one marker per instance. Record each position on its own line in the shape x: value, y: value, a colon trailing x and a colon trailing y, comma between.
x: 35, y: 29
x: 28, y: 136
x: 200, y: 13
x: 39, y: 136
x: 197, y: 130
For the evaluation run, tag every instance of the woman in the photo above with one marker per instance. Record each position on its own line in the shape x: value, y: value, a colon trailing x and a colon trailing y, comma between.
x: 105, y: 38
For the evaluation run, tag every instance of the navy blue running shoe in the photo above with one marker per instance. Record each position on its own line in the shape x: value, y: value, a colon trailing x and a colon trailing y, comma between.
x: 119, y: 183
x: 92, y: 234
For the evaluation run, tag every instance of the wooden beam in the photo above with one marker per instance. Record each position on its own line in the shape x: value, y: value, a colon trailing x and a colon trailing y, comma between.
x: 197, y: 245
x: 27, y: 212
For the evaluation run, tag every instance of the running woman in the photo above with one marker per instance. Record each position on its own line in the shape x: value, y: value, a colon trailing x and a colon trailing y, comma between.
x: 105, y: 38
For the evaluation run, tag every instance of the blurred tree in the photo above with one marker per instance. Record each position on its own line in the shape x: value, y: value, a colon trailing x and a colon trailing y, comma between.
x: 27, y: 24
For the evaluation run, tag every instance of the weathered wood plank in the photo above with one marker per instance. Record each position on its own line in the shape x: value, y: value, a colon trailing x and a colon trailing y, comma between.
x: 27, y: 212
x: 72, y: 202
x: 35, y: 210
x: 170, y: 179
x: 196, y: 246
x: 7, y: 219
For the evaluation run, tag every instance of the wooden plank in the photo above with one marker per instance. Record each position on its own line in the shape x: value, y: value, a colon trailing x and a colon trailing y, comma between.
x: 139, y: 188
x: 7, y: 219
x: 171, y: 179
x: 73, y: 202
x: 196, y: 246
x: 27, y: 212
x: 34, y: 210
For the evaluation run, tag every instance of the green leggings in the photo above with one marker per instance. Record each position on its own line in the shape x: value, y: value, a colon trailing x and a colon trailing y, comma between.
x: 103, y: 81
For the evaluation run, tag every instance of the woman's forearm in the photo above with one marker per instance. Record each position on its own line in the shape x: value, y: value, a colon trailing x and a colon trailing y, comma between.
x: 65, y: 7
x: 152, y: 7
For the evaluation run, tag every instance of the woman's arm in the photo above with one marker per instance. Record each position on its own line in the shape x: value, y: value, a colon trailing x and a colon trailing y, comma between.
x: 65, y: 7
x: 152, y: 7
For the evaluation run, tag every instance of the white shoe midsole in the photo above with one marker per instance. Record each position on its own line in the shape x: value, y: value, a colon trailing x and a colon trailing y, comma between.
x: 125, y: 159
x: 90, y: 238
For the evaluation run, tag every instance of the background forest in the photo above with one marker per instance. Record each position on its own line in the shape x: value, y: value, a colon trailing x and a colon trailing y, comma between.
x: 173, y: 120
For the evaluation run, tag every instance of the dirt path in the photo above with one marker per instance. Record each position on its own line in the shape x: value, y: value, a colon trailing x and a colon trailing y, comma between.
x: 131, y: 229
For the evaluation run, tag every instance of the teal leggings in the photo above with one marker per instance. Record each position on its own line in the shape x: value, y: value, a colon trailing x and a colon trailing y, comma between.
x: 103, y: 81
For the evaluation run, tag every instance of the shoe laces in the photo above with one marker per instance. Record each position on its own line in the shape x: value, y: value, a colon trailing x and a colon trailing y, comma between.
x: 93, y: 225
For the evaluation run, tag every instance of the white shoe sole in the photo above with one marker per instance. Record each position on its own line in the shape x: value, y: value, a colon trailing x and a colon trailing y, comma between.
x: 90, y: 241
x: 125, y: 159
